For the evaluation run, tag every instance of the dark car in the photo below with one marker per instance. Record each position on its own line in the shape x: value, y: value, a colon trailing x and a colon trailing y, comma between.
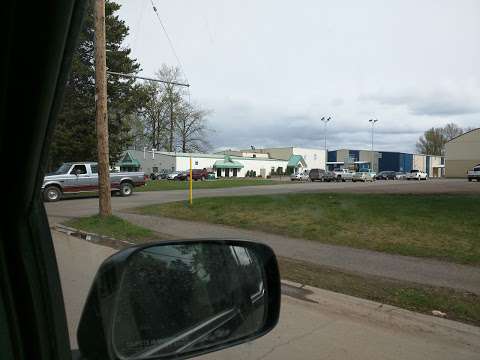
x: 182, y: 175
x: 159, y: 175
x: 386, y: 175
x: 321, y: 175
x: 198, y: 174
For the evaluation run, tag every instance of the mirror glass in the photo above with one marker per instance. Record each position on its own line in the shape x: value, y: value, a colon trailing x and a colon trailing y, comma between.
x: 175, y: 299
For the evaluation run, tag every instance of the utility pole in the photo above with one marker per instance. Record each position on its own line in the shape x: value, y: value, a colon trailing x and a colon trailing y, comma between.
x: 105, y: 201
x: 325, y: 122
x: 172, y: 123
x: 372, y: 122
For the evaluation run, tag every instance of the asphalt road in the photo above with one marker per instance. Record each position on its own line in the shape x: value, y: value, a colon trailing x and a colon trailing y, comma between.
x: 314, y: 323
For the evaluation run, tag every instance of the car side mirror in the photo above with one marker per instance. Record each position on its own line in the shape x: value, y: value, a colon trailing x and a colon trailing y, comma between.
x: 175, y: 300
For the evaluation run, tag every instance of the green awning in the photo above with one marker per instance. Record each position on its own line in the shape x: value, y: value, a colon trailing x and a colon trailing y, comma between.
x: 128, y: 160
x: 133, y: 163
x: 295, y: 160
x: 227, y: 163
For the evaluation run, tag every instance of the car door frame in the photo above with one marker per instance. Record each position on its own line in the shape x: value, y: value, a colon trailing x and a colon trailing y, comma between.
x: 34, y: 324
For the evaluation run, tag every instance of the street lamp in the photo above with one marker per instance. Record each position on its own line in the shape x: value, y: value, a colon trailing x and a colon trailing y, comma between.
x: 325, y: 122
x: 372, y: 122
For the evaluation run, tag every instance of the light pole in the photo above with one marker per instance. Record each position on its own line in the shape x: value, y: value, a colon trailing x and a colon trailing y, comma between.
x: 372, y: 122
x: 325, y: 122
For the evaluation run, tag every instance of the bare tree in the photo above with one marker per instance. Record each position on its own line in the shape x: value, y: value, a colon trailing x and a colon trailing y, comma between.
x: 192, y: 128
x: 452, y: 130
x: 172, y: 96
x: 432, y: 142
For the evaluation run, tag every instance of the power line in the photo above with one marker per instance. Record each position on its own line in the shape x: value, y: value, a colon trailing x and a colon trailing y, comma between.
x: 146, y: 78
x: 169, y: 40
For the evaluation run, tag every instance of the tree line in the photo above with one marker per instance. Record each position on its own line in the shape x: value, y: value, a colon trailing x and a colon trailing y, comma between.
x: 140, y: 114
x: 433, y: 141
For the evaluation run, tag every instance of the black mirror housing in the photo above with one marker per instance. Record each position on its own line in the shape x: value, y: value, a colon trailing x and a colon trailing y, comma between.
x: 178, y: 299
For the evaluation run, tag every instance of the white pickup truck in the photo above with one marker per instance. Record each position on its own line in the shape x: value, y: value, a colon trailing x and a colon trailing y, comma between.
x: 81, y: 177
x: 343, y: 175
x: 417, y: 175
x: 474, y: 174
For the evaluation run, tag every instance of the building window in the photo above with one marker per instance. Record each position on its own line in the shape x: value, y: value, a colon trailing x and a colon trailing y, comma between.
x: 254, y: 155
x: 314, y: 156
x: 196, y: 162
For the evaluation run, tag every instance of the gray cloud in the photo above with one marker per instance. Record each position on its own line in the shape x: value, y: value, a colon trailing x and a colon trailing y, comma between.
x: 433, y: 104
x: 306, y: 130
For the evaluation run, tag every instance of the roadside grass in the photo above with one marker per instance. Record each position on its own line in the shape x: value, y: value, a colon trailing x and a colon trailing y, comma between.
x: 113, y: 227
x: 441, y: 226
x: 161, y: 185
x: 459, y: 306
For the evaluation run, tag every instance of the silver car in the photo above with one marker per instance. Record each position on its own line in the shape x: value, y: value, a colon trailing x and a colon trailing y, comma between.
x: 364, y: 175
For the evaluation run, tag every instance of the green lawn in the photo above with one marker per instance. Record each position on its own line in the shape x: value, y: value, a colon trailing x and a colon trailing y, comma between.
x: 159, y: 185
x: 438, y: 226
x: 458, y: 305
x: 113, y: 227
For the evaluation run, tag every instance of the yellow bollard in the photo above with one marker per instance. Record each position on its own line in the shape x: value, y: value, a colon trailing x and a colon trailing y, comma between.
x: 191, y: 183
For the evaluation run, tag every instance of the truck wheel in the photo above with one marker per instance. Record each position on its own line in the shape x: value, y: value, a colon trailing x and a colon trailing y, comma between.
x: 126, y: 189
x: 52, y: 193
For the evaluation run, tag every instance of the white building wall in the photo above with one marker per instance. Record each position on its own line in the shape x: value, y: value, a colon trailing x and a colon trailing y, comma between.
x: 435, y: 163
x: 419, y: 162
x: 198, y: 162
x: 314, y: 158
x: 260, y: 166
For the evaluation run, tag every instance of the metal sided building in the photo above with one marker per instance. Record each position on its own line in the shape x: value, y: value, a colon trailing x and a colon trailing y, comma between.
x: 386, y: 161
x: 463, y: 153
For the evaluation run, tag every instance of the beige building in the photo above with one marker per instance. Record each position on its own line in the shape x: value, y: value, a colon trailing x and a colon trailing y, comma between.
x: 462, y: 153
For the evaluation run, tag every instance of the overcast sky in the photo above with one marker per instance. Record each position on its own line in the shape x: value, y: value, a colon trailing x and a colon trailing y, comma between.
x: 270, y: 69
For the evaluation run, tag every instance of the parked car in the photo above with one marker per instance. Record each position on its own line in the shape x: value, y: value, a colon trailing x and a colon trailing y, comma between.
x: 343, y: 175
x: 417, y: 175
x: 321, y: 175
x: 386, y: 175
x: 173, y: 175
x: 182, y: 175
x: 399, y: 175
x: 198, y: 174
x: 364, y: 175
x: 301, y: 176
x: 81, y: 177
x: 474, y: 174
x: 159, y: 175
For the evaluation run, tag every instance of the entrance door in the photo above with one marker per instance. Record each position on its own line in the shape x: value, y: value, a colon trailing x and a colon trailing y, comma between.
x: 234, y: 171
x: 227, y: 172
x: 219, y: 172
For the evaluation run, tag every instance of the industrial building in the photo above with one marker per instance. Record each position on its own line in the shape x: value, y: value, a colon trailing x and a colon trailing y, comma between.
x: 462, y: 153
x: 227, y: 163
x: 386, y: 161
x: 224, y: 165
x: 267, y: 161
